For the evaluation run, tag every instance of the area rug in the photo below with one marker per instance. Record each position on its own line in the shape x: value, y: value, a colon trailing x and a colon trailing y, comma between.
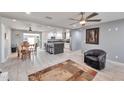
x: 66, y: 71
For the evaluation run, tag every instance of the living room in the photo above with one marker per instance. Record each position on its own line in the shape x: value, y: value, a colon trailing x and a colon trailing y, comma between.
x: 57, y: 38
x: 65, y: 46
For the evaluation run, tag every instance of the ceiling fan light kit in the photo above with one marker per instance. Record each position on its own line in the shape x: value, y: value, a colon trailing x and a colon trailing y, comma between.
x: 82, y: 22
x: 28, y: 13
x: 30, y: 29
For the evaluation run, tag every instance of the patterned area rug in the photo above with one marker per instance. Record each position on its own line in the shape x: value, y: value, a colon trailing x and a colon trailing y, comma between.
x: 66, y: 71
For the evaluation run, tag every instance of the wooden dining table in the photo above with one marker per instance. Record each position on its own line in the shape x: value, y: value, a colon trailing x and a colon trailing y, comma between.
x: 24, y: 51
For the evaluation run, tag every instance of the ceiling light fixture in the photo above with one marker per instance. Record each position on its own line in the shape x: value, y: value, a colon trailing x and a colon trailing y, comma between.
x: 28, y: 13
x: 14, y: 20
x: 74, y: 25
x: 48, y: 27
x: 82, y: 22
x: 30, y: 29
x: 49, y: 17
x: 67, y: 30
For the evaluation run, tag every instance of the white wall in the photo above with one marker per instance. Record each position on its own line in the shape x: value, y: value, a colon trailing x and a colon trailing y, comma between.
x: 68, y: 35
x: 17, y: 39
x: 0, y: 41
x: 111, y: 39
x: 5, y: 42
x: 76, y: 40
x: 44, y: 38
x: 58, y: 35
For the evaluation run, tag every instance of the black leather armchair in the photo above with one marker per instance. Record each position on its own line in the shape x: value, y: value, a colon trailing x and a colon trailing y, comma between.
x: 95, y: 58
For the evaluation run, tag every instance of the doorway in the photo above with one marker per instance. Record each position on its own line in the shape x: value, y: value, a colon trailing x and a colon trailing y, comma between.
x: 32, y: 38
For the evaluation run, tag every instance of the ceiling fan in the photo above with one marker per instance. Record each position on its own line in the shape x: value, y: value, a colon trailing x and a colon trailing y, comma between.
x: 30, y: 29
x: 83, y: 20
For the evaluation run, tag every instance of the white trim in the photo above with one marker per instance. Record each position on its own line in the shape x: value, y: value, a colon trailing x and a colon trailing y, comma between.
x: 5, y: 59
x: 115, y: 62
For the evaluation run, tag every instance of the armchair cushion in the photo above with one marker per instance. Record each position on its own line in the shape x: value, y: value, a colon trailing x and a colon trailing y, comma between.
x: 94, y: 58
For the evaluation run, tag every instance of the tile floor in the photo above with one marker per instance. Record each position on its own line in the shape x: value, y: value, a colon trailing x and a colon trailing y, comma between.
x: 19, y: 69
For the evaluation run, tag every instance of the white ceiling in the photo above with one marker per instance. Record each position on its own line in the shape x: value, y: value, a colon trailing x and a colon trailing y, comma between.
x: 21, y: 25
x: 59, y: 19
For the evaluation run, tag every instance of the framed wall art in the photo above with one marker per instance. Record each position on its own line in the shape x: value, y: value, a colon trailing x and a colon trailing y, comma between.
x: 92, y: 36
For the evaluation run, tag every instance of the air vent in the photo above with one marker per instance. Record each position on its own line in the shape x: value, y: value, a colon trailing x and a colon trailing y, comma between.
x: 48, y: 17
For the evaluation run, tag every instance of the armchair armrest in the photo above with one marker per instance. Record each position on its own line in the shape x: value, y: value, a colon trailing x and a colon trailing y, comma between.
x: 102, y: 57
x: 90, y: 53
x: 0, y: 71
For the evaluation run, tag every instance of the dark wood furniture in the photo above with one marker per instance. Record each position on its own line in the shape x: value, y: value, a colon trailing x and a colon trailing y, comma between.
x: 13, y: 49
x: 23, y: 50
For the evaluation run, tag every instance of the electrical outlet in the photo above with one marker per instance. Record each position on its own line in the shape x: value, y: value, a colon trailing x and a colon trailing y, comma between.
x: 116, y: 29
x: 109, y: 29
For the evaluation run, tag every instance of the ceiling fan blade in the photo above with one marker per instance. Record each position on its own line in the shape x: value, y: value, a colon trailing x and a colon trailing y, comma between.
x: 91, y: 15
x: 74, y: 19
x: 94, y: 20
x: 82, y: 16
x: 73, y: 23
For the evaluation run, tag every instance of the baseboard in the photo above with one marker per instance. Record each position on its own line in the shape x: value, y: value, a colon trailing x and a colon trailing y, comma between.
x: 115, y: 62
x: 4, y: 60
